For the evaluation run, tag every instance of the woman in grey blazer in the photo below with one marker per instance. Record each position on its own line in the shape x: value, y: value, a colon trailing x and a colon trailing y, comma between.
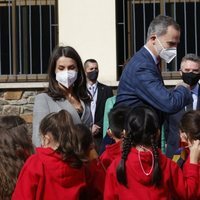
x: 67, y: 90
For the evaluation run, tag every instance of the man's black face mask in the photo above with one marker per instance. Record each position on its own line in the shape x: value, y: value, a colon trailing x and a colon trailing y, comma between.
x: 190, y: 78
x: 93, y: 75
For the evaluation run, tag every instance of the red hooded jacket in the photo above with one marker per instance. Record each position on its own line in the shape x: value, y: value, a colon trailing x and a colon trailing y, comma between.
x: 45, y: 176
x: 111, y: 152
x: 174, y: 184
x: 185, y: 169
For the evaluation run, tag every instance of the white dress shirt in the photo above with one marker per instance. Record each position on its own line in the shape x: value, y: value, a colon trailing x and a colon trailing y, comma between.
x: 94, y: 91
x: 195, y: 96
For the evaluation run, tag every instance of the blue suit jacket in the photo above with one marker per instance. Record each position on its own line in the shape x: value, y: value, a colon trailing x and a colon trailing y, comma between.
x: 142, y: 83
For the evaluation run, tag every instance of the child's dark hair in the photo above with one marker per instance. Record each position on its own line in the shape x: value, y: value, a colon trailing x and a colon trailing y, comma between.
x: 15, y: 148
x: 116, y: 118
x: 190, y: 124
x: 61, y: 126
x: 141, y: 128
x: 85, y: 139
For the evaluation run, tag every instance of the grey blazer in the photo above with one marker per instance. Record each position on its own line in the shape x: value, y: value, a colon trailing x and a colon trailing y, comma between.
x: 44, y: 105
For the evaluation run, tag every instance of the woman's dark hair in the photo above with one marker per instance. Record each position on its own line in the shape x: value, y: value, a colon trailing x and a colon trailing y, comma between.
x: 79, y: 88
x: 116, y: 118
x: 141, y: 126
x: 85, y: 139
x: 61, y: 126
x: 190, y: 124
x: 15, y: 148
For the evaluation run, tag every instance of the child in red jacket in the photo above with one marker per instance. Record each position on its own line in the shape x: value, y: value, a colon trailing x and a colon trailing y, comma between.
x: 116, y: 118
x: 143, y: 172
x: 55, y: 171
x: 189, y: 132
x: 95, y: 171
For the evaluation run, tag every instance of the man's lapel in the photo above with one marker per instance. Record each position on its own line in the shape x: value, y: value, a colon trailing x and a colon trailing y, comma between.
x: 99, y: 94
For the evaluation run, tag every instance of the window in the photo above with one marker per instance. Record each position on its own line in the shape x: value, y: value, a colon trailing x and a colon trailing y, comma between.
x: 28, y: 33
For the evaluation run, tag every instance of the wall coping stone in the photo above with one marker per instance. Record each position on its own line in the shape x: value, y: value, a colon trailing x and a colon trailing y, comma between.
x: 22, y: 85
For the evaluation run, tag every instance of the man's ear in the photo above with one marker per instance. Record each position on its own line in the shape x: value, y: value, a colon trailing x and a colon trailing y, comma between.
x: 153, y: 38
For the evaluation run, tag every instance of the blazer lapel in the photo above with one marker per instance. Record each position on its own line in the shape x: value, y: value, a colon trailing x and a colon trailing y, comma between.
x: 99, y: 94
x: 151, y: 60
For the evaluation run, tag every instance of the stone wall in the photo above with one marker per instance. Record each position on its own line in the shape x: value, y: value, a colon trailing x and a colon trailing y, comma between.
x: 18, y: 102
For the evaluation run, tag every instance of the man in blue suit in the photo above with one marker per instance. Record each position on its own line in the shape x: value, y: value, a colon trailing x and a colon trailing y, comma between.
x: 190, y: 73
x: 141, y: 81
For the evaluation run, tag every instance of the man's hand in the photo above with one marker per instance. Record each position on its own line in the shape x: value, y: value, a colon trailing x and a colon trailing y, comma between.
x: 95, y: 129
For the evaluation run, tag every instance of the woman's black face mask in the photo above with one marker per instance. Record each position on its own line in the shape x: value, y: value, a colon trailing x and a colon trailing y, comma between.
x: 190, y: 78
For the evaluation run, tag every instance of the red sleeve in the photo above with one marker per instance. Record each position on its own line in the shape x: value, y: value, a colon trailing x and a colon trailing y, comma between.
x: 105, y: 160
x: 28, y: 185
x: 95, y: 174
x: 191, y: 170
x: 110, y: 189
x: 185, y: 183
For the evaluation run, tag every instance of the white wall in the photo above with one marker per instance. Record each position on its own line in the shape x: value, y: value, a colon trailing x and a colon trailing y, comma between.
x: 89, y: 27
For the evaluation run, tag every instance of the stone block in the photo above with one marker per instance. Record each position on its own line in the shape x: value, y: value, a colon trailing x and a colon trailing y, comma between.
x: 27, y: 117
x: 3, y: 78
x: 19, y: 102
x: 21, y: 78
x: 31, y: 100
x: 13, y: 95
x: 11, y: 110
x: 42, y: 77
x: 166, y: 75
x: 28, y: 108
x: 32, y: 77
x: 12, y: 78
x: 3, y: 102
x: 27, y: 94
x: 176, y: 75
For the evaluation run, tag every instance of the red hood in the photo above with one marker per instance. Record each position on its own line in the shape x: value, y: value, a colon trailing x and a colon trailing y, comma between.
x: 114, y: 150
x: 57, y: 170
x: 134, y: 167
